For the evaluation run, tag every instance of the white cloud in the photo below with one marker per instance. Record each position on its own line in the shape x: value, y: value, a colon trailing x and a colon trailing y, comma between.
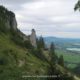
x: 48, y: 17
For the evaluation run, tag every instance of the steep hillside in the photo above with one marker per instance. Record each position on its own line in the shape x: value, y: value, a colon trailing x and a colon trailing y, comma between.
x: 15, y: 60
x: 18, y: 58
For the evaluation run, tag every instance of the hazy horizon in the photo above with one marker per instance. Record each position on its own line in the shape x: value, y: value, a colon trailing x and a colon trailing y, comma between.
x: 56, y: 37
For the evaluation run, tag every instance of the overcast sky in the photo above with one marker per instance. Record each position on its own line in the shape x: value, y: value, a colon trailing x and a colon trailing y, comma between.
x: 47, y: 17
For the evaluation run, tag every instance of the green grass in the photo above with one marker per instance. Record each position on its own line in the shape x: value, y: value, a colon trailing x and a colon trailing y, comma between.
x: 17, y: 61
x: 10, y: 57
x: 69, y: 57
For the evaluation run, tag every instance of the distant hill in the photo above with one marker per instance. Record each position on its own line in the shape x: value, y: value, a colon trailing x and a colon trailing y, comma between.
x: 61, y: 42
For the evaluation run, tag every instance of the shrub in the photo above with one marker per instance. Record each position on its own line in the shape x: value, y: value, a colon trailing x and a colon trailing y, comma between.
x: 28, y: 44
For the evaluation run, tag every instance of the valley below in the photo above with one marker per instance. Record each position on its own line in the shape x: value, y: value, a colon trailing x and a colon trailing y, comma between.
x: 69, y: 48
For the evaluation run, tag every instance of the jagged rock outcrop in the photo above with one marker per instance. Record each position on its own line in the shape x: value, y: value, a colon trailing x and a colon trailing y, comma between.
x: 33, y: 38
x: 8, y: 23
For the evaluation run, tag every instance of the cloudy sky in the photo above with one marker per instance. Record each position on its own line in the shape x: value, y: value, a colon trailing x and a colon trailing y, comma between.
x: 47, y: 17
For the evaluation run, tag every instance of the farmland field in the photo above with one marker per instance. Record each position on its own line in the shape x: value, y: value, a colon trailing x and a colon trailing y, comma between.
x: 71, y: 59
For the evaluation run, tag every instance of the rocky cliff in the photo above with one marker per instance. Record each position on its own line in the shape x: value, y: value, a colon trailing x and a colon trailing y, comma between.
x: 7, y: 18
x: 8, y: 23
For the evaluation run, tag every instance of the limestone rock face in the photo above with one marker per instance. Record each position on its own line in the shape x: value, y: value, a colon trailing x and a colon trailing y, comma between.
x: 8, y: 18
x: 33, y: 38
x: 7, y: 24
x: 13, y: 23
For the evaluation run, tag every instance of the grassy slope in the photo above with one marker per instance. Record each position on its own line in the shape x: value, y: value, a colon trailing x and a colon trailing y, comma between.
x: 18, y: 61
x: 13, y: 56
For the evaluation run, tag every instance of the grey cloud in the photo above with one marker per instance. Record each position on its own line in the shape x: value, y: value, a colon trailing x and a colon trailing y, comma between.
x: 15, y: 1
x: 45, y: 17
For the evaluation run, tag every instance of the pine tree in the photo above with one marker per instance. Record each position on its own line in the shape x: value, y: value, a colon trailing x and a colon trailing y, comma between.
x: 40, y: 43
x: 53, y: 56
x: 52, y: 48
x: 61, y: 61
